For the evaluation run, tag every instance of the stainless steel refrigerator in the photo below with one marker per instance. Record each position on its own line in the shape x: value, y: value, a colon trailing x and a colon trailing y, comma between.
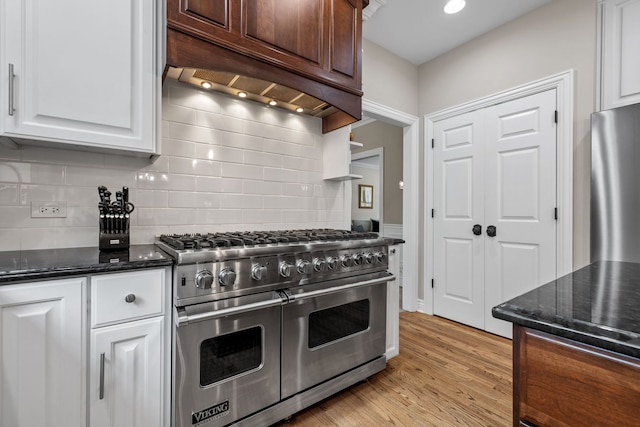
x: 615, y: 184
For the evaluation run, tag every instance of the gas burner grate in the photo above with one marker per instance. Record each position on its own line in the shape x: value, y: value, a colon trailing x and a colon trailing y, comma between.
x: 238, y: 239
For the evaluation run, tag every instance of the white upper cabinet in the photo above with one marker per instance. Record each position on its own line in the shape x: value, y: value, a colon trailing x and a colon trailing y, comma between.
x: 619, y: 57
x: 79, y: 72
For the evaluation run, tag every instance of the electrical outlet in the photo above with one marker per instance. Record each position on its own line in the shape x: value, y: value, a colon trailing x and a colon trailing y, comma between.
x: 48, y: 209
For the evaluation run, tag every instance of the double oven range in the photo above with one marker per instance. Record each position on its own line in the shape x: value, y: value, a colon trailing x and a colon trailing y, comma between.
x: 268, y: 323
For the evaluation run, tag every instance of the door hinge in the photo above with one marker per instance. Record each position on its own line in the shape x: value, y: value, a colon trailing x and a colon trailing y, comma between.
x: 555, y: 214
x: 555, y: 116
x: 433, y: 143
x: 433, y: 213
x: 432, y: 283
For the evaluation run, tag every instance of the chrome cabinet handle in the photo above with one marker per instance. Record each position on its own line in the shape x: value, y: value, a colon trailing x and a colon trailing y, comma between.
x: 101, y: 376
x: 130, y: 298
x: 11, y: 79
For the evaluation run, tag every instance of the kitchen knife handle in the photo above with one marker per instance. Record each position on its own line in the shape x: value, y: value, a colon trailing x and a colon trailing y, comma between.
x: 101, y: 376
x: 11, y: 81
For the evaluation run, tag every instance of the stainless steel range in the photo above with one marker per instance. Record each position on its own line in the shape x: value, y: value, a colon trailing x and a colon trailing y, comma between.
x: 268, y: 323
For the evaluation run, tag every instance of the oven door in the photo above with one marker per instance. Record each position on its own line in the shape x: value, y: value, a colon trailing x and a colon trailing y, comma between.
x: 331, y: 328
x: 227, y: 359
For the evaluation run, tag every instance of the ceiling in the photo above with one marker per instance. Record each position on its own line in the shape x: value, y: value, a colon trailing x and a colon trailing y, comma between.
x: 419, y: 30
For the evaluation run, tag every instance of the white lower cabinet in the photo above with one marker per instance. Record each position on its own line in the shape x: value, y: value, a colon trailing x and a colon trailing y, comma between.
x: 129, y: 358
x: 42, y: 354
x: 393, y: 304
x: 126, y: 366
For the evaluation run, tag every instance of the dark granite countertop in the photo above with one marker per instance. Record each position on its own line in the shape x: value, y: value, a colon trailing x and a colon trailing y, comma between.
x: 16, y: 266
x: 597, y: 305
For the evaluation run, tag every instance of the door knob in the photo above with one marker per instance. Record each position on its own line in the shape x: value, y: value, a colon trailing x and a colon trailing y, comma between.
x: 477, y: 229
x: 491, y: 231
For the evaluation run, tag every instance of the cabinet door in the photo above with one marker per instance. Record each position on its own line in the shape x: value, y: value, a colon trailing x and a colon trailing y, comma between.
x: 83, y: 72
x: 620, y: 62
x: 41, y: 354
x: 128, y: 366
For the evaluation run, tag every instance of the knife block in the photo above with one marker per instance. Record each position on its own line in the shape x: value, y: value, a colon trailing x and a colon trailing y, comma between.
x: 113, y: 241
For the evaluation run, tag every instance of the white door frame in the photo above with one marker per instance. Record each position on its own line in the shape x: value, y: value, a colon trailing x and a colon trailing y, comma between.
x: 410, y: 195
x: 379, y: 153
x: 563, y: 83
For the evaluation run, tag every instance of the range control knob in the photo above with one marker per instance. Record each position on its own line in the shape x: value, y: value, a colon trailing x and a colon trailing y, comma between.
x: 204, y: 279
x: 286, y: 268
x: 332, y: 262
x: 304, y: 267
x: 227, y: 277
x: 258, y: 271
x: 346, y: 260
x: 380, y: 256
x: 320, y: 264
x: 357, y: 259
x: 368, y: 257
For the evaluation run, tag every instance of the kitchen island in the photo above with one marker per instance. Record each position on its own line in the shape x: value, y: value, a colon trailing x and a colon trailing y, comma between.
x: 576, y: 348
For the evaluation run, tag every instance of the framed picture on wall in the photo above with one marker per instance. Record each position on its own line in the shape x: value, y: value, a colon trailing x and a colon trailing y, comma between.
x: 366, y: 196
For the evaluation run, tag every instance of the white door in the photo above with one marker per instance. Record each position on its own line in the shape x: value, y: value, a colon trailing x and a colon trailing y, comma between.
x: 520, y: 200
x: 41, y: 354
x: 129, y: 356
x: 494, y: 167
x: 458, y: 194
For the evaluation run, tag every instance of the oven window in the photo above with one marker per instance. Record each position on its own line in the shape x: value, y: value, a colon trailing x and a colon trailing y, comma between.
x: 229, y: 355
x: 338, y: 322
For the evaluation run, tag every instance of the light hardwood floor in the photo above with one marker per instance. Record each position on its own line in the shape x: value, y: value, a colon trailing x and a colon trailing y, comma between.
x: 447, y: 374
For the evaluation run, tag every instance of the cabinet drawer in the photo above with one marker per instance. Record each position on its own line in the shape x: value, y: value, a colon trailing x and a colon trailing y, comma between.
x: 121, y: 297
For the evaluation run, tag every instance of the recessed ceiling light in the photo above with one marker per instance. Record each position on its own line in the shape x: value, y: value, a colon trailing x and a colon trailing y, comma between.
x: 242, y: 94
x: 273, y: 103
x: 299, y: 109
x: 206, y: 85
x: 454, y: 6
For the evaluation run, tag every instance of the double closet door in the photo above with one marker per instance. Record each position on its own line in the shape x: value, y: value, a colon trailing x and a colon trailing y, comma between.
x: 494, y: 208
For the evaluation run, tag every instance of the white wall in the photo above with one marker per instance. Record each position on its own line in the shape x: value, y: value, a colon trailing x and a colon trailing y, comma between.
x: 227, y: 165
x: 554, y: 38
x: 388, y: 79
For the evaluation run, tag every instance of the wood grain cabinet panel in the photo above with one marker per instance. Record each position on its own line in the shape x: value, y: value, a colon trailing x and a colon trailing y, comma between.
x: 288, y: 26
x: 213, y: 11
x: 313, y: 46
x: 559, y: 382
x: 345, y: 37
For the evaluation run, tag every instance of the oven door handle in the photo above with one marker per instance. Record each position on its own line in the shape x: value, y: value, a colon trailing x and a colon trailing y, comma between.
x: 311, y: 294
x: 183, y: 318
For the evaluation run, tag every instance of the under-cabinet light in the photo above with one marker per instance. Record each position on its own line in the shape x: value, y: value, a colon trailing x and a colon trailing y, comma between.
x: 273, y: 103
x: 206, y: 85
x: 242, y: 94
x: 299, y: 109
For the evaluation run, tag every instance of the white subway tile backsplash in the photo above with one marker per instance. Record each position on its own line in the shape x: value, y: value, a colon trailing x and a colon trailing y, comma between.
x: 218, y: 153
x: 166, y: 181
x: 262, y: 159
x: 94, y: 177
x: 281, y: 175
x: 282, y: 147
x: 220, y: 122
x: 149, y: 198
x: 183, y: 199
x: 232, y: 170
x: 178, y: 148
x: 182, y: 165
x: 9, y: 194
x: 273, y: 216
x: 226, y: 165
x: 241, y: 201
x: 158, y: 216
x: 262, y: 187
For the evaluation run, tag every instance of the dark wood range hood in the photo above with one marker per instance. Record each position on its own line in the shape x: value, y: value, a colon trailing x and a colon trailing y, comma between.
x: 313, y: 47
